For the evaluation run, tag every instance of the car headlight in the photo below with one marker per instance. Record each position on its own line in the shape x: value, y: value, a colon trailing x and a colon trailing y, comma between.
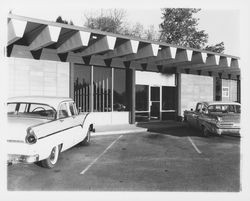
x: 30, y: 137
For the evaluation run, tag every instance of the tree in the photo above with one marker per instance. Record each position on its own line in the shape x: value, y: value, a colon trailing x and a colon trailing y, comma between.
x: 179, y: 27
x: 113, y: 20
x: 60, y: 20
x: 134, y: 31
x: 216, y: 48
x: 110, y: 21
x: 151, y: 33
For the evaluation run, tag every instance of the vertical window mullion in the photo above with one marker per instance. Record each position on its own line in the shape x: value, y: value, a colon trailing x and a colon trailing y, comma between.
x: 103, y: 97
x: 99, y: 96
x: 112, y: 88
x: 91, y: 95
x: 107, y: 94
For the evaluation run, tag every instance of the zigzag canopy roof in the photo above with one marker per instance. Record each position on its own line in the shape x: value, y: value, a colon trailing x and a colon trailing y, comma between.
x: 68, y: 43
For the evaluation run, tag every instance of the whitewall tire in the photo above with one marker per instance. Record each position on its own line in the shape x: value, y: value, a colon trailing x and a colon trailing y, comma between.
x: 51, y: 161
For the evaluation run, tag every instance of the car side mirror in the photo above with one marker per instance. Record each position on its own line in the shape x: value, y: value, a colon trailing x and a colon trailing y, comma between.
x: 191, y: 109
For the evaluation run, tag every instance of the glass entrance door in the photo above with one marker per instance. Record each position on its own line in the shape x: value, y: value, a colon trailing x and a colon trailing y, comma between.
x: 154, y: 103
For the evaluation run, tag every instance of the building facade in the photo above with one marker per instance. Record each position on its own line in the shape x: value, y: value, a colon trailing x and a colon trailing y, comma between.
x: 118, y: 78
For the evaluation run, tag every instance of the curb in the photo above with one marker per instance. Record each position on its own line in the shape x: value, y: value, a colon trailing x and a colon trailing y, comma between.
x: 117, y: 132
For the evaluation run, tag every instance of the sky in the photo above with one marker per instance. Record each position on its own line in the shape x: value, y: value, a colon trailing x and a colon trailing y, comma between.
x: 221, y: 24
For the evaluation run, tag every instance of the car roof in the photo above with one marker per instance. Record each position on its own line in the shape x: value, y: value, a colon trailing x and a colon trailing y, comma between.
x: 220, y: 103
x: 49, y: 100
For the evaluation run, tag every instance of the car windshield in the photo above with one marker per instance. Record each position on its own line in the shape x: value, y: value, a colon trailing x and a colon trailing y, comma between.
x: 32, y: 110
x: 224, y: 108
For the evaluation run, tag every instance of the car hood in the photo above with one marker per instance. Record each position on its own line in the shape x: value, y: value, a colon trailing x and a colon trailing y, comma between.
x: 17, y: 127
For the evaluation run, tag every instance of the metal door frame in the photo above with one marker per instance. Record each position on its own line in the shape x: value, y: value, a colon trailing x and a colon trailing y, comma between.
x: 160, y: 101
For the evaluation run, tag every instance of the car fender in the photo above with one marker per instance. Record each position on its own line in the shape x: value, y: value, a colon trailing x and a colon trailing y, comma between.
x: 208, y: 124
x: 87, y: 121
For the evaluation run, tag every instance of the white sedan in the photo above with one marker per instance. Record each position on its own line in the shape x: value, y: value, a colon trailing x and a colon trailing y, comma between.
x: 40, y: 128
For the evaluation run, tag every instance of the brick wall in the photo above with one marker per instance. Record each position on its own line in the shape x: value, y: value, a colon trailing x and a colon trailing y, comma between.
x: 194, y: 88
x: 37, y: 77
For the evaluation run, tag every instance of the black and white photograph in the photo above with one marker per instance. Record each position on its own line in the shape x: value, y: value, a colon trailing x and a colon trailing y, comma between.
x: 124, y: 100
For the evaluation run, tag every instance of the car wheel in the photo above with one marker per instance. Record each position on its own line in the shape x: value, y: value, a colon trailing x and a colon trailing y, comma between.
x: 205, y: 131
x: 51, y: 161
x: 86, y: 140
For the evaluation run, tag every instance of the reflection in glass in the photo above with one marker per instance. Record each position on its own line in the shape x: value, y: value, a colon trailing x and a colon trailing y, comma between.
x: 141, y: 116
x: 120, y: 99
x: 141, y: 98
x: 102, y: 89
x: 155, y: 111
x: 82, y: 86
x: 155, y: 103
x: 168, y: 103
x: 155, y: 93
x: 168, y: 98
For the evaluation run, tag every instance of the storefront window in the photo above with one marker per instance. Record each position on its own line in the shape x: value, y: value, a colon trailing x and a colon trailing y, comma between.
x: 102, y: 89
x: 82, y: 87
x: 168, y: 98
x: 168, y: 103
x: 141, y: 97
x: 120, y: 99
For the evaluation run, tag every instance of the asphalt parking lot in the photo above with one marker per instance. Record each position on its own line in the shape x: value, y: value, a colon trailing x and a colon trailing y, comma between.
x: 176, y: 159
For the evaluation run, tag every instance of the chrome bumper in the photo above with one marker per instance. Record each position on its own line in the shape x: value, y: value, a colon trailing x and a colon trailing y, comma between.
x: 15, y: 158
x: 220, y: 131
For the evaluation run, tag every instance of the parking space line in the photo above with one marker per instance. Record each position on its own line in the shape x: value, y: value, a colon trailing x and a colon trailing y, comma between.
x: 94, y: 161
x: 195, y: 147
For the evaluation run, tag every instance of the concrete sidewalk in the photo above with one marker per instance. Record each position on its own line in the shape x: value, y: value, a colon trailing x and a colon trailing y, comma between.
x: 136, y: 128
x: 118, y: 129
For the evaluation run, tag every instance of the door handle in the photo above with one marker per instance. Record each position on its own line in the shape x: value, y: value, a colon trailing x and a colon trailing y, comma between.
x: 61, y: 120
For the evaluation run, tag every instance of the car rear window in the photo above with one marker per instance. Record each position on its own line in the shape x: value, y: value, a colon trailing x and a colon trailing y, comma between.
x: 32, y: 110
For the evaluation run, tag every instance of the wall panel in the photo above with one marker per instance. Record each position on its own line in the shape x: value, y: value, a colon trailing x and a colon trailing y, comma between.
x: 37, y: 77
x: 194, y: 88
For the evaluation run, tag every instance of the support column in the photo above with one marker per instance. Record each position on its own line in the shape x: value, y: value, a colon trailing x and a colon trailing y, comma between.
x: 71, y: 80
x: 130, y: 90
x: 214, y: 88
x: 91, y: 89
x: 178, y: 96
x: 238, y: 89
x: 112, y: 89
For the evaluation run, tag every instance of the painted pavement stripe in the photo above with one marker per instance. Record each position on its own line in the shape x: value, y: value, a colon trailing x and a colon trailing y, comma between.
x: 195, y: 147
x: 94, y: 161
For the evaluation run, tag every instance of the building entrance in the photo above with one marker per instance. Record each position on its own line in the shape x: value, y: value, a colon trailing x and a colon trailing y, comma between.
x: 154, y: 103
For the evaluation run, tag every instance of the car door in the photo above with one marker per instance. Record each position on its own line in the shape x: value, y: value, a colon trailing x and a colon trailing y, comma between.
x: 193, y: 119
x: 64, y: 119
x: 76, y: 122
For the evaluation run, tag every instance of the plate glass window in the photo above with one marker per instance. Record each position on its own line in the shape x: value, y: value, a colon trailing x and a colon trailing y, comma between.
x: 120, y: 98
x: 82, y: 87
x: 141, y: 103
x: 102, y: 83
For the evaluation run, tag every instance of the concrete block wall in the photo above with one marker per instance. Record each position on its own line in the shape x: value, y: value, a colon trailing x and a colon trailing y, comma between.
x: 37, y: 77
x: 194, y: 88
